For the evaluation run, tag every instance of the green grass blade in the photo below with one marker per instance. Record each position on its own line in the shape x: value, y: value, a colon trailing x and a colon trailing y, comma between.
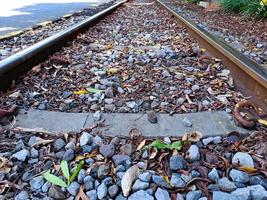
x: 76, y: 171
x: 160, y: 145
x: 54, y: 179
x: 65, y: 169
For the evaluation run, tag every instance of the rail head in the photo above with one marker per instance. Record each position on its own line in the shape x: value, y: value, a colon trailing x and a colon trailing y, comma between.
x: 19, y: 59
x: 256, y: 75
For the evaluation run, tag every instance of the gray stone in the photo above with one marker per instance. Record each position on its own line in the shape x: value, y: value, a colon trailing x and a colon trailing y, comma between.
x: 217, y: 140
x: 55, y: 192
x: 120, y: 168
x: 193, y: 153
x: 127, y: 149
x: 107, y: 150
x: 239, y: 176
x: 258, y: 180
x: 203, y: 198
x: 46, y: 187
x: 34, y: 153
x: 59, y: 144
x: 113, y: 190
x: 177, y: 181
x: 179, y: 197
x: 242, y: 159
x: 195, y: 87
x: 120, y: 197
x: 258, y: 192
x: 88, y: 183
x: 186, y: 122
x: 70, y: 145
x: 242, y: 193
x: 97, y: 116
x: 103, y: 171
x: 177, y: 162
x: 97, y: 140
x: 141, y: 195
x: 226, y: 185
x: 92, y: 194
x: 68, y: 155
x: 140, y: 185
x: 218, y: 195
x: 152, y: 117
x: 154, y: 104
x: 195, y: 174
x: 120, y: 90
x: 180, y: 101
x: 214, y: 175
x: 207, y: 140
x: 214, y: 187
x: 109, y: 92
x: 120, y: 159
x: 102, y: 191
x: 21, y: 155
x: 85, y: 138
x: 81, y: 175
x: 159, y: 180
x: 73, y: 188
x: 193, y: 195
x: 131, y: 104
x: 146, y: 177
x: 36, y: 183
x: 23, y: 195
x: 161, y: 194
x: 42, y: 106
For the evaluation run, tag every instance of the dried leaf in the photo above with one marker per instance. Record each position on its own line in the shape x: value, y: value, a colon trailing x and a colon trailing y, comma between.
x: 85, y: 156
x: 263, y: 122
x: 166, y: 178
x: 54, y: 179
x: 80, y: 92
x: 128, y: 178
x: 141, y: 145
x: 153, y: 154
x: 40, y: 141
x: 81, y: 195
x: 192, y: 137
x: 112, y: 71
x: 248, y: 169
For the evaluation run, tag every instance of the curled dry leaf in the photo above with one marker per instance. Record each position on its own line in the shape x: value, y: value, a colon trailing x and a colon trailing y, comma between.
x: 4, y: 165
x: 135, y: 133
x: 128, y: 178
x: 248, y: 169
x: 153, y: 154
x: 141, y: 145
x: 192, y: 137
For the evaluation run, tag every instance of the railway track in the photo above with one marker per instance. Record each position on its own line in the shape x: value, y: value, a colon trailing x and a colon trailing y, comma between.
x: 107, y: 71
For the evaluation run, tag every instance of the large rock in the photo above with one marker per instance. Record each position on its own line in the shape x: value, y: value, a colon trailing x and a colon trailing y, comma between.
x: 21, y: 155
x: 242, y: 193
x: 239, y: 176
x: 141, y: 195
x: 258, y: 192
x: 177, y: 162
x: 218, y: 195
x: 161, y: 194
x: 85, y: 138
x: 226, y: 185
x: 242, y: 159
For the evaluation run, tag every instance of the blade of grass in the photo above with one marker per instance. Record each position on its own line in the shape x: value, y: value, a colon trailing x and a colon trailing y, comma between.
x: 54, y: 179
x: 65, y: 170
x: 76, y: 171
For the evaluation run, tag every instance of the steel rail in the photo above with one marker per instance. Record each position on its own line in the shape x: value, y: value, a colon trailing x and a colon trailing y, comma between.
x: 14, y: 66
x: 249, y: 77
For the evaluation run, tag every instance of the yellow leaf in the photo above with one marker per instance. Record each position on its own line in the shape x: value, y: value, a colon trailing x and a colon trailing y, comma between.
x: 81, y: 92
x: 85, y: 156
x: 141, y: 145
x: 112, y: 71
x: 248, y: 169
x: 166, y: 178
x: 262, y: 121
x: 203, y: 49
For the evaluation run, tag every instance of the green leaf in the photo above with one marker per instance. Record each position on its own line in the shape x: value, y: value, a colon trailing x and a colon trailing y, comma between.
x: 76, y: 171
x: 54, y: 179
x: 65, y: 169
x: 93, y: 90
x: 160, y: 145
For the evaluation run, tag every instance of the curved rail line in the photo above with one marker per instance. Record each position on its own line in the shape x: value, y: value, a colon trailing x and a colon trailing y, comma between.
x: 250, y: 78
x: 21, y: 62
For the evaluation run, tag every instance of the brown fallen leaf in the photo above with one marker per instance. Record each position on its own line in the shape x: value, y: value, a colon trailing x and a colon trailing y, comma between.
x: 141, y: 145
x: 81, y: 195
x: 153, y: 154
x: 248, y: 169
x: 128, y: 179
x: 192, y: 137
